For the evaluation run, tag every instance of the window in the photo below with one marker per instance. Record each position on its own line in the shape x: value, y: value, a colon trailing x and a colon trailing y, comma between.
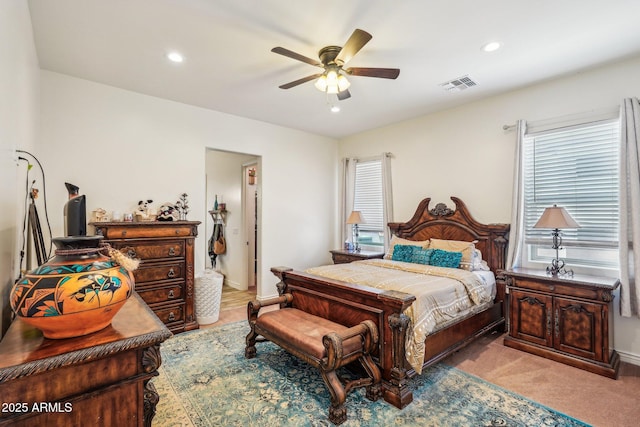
x: 368, y: 199
x: 577, y: 168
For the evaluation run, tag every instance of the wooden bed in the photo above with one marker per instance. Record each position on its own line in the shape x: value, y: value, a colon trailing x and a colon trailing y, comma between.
x: 350, y: 304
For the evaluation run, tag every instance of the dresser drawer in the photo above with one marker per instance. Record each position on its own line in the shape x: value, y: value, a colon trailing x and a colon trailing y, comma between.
x: 152, y: 250
x: 154, y: 272
x: 156, y: 294
x: 171, y: 314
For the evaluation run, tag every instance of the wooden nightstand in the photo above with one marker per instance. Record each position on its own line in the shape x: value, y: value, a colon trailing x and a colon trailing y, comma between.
x: 340, y: 256
x: 563, y: 318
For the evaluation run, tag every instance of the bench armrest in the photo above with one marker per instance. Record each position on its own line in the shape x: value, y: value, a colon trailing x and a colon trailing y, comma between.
x: 253, y: 307
x: 333, y: 342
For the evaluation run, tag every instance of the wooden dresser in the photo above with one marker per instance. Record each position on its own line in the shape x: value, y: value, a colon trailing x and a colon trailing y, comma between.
x: 165, y: 278
x: 566, y: 319
x: 100, y: 379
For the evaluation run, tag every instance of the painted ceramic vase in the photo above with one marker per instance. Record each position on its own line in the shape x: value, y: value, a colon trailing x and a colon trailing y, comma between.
x: 77, y: 292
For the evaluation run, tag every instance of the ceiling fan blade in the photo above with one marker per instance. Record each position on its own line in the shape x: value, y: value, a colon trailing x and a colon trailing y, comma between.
x: 345, y: 94
x: 299, y: 81
x: 383, y: 73
x: 290, y: 54
x: 357, y: 40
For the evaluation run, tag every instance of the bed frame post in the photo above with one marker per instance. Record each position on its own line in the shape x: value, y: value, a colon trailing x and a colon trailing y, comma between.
x: 396, y: 389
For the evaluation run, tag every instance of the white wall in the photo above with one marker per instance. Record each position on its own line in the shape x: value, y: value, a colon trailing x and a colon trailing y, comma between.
x: 464, y: 152
x: 18, y: 129
x: 120, y: 147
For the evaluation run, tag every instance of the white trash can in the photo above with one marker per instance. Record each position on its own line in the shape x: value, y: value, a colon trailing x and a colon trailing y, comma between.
x: 207, y: 295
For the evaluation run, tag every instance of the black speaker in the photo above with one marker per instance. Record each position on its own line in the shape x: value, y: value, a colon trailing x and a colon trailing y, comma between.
x: 75, y: 213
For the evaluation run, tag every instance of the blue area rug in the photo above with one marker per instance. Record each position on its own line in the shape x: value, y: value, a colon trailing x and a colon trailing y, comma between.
x: 206, y: 381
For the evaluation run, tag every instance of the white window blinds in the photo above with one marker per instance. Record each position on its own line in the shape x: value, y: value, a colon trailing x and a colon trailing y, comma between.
x: 368, y: 194
x: 577, y: 168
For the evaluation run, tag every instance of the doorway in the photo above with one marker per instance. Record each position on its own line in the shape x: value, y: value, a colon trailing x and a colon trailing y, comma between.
x: 227, y: 178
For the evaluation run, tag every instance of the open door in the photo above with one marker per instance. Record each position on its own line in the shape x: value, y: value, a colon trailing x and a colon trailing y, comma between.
x: 251, y: 222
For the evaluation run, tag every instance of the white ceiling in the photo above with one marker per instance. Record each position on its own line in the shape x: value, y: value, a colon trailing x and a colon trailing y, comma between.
x: 229, y: 67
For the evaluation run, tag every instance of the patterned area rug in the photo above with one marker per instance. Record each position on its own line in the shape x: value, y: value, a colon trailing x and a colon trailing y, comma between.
x: 206, y: 381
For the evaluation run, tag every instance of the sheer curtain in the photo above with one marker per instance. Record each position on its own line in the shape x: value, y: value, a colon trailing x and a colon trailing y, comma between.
x: 629, y: 206
x: 348, y: 189
x: 516, y: 233
x: 387, y: 198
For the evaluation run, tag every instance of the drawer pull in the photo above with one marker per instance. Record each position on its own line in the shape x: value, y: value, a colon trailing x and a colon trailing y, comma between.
x: 172, y: 251
x: 172, y: 317
x: 171, y: 295
x: 171, y: 274
x: 131, y: 253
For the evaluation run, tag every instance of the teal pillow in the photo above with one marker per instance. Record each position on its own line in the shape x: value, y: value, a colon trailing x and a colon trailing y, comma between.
x: 440, y: 258
x: 403, y: 253
x: 421, y: 255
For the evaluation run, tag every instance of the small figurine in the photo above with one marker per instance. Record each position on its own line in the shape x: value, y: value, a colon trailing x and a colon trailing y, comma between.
x: 144, y: 211
x: 166, y: 212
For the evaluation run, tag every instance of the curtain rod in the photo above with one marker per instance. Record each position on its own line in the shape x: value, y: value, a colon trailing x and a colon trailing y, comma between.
x: 596, y: 114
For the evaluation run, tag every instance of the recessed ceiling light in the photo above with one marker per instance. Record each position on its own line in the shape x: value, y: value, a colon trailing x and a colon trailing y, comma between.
x: 175, y: 57
x: 491, y: 46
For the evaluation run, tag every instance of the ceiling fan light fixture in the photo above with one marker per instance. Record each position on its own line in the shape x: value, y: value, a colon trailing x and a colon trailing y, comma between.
x: 343, y: 83
x: 332, y: 82
x: 321, y: 83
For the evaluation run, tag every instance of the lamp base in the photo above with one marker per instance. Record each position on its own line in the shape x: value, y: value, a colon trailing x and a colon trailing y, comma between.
x: 557, y: 268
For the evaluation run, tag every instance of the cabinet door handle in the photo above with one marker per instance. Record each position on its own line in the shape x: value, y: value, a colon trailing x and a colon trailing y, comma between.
x: 172, y: 317
x: 557, y: 323
x: 172, y: 251
x: 171, y: 274
x: 549, y: 321
x: 171, y: 295
x: 131, y: 253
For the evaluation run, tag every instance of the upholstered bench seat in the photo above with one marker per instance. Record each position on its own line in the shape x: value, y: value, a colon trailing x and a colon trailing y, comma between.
x: 324, y: 344
x: 307, y: 331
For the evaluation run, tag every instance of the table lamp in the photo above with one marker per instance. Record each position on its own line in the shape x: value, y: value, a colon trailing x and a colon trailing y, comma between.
x: 556, y: 218
x: 355, y: 218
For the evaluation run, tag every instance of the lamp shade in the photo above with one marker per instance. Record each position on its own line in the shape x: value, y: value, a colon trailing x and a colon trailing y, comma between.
x: 355, y: 218
x: 556, y: 217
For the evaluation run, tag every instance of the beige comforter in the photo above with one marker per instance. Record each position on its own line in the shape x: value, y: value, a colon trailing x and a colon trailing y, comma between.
x: 441, y: 293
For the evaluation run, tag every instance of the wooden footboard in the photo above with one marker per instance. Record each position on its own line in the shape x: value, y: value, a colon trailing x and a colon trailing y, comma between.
x: 349, y: 305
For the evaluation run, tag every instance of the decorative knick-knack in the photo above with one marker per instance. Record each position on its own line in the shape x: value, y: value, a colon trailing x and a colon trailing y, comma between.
x: 77, y: 292
x: 215, y: 203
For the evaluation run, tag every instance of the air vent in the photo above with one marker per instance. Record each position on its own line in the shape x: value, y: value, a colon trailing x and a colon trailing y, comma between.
x: 461, y: 83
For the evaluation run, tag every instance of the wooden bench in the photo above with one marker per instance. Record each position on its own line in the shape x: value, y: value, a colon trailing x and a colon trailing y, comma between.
x: 322, y: 343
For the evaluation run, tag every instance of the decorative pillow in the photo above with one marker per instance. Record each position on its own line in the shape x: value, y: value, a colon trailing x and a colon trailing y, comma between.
x: 395, y: 240
x: 442, y: 258
x: 403, y: 253
x: 467, y: 249
x: 421, y: 255
x: 477, y: 263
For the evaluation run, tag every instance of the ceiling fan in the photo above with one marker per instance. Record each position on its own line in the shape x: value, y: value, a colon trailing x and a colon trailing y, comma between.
x: 333, y: 59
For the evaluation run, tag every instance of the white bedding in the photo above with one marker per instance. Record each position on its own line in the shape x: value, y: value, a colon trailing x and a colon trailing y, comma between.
x: 442, y: 294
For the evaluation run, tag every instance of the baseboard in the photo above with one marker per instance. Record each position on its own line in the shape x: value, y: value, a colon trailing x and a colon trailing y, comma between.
x: 234, y: 285
x: 631, y: 358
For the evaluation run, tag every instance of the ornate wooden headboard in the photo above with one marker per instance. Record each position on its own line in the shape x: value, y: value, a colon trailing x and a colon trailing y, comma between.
x: 442, y: 222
